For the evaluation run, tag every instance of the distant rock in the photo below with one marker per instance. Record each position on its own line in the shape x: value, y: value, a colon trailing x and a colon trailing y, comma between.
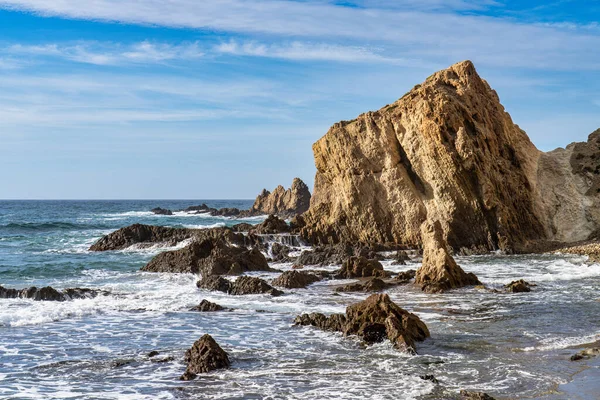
x: 147, y: 235
x: 48, y: 293
x: 209, y: 257
x: 519, y: 286
x: 204, y: 356
x: 161, y: 211
x: 439, y: 271
x: 295, y: 279
x: 207, y: 306
x: 360, y: 267
x: 586, y: 354
x: 373, y: 320
x: 285, y: 203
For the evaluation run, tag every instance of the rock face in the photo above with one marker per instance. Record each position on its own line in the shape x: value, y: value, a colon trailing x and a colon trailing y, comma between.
x: 447, y: 151
x: 282, y: 202
x: 204, y: 356
x: 48, y: 293
x: 209, y: 257
x: 295, y: 279
x: 439, y: 271
x: 373, y: 320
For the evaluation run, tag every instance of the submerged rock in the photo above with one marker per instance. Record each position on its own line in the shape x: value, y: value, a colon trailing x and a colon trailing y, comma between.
x: 161, y: 211
x: 287, y: 203
x: 519, y: 286
x: 360, y: 267
x: 209, y: 257
x: 207, y: 306
x: 48, y: 293
x: 241, y: 286
x: 439, y: 271
x: 204, y: 356
x: 373, y: 320
x: 295, y: 279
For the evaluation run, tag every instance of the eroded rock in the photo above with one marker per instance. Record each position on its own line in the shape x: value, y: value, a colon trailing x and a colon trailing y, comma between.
x: 519, y: 286
x: 204, y: 356
x: 241, y: 286
x: 207, y: 306
x: 360, y: 267
x: 287, y: 203
x: 295, y: 279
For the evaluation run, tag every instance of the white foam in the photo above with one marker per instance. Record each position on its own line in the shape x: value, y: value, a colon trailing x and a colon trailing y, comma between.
x: 558, y: 343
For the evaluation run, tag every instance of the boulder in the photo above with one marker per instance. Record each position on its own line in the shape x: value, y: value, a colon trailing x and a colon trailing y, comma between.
x: 373, y: 320
x: 161, y: 211
x: 372, y: 285
x: 214, y: 283
x: 204, y: 356
x: 48, y: 293
x: 295, y: 279
x: 360, y: 267
x: 282, y: 202
x: 271, y: 225
x: 209, y: 257
x: 207, y: 306
x: 252, y: 285
x: 519, y: 286
x: 439, y: 271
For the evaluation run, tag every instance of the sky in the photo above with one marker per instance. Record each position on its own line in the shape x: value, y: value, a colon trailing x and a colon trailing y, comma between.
x: 191, y: 99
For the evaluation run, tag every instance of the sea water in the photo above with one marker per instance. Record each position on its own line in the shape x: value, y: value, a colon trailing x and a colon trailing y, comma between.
x: 509, y: 345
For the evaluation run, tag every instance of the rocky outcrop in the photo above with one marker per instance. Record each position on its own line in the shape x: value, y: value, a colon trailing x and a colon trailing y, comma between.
x: 204, y: 356
x: 295, y: 279
x: 48, y: 293
x: 209, y: 257
x: 372, y: 285
x: 144, y: 235
x: 447, y: 151
x: 241, y: 286
x: 373, y: 320
x: 360, y: 267
x: 161, y: 211
x: 282, y: 202
x: 439, y: 271
x: 207, y: 306
x: 271, y: 225
x: 519, y: 286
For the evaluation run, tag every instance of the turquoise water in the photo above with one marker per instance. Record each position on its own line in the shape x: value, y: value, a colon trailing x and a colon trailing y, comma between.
x: 512, y: 346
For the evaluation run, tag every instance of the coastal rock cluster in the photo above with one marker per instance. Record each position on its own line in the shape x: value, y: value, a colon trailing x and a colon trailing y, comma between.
x: 49, y: 293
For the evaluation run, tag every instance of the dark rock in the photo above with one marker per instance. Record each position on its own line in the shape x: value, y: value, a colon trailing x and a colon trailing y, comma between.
x: 351, y: 287
x: 401, y: 257
x: 586, y: 354
x: 467, y: 395
x: 405, y: 276
x: 214, y: 283
x: 204, y: 356
x: 207, y: 306
x: 161, y: 211
x: 252, y: 285
x: 163, y: 360
x: 326, y: 255
x: 48, y: 293
x: 153, y: 353
x: 373, y: 319
x: 201, y: 208
x: 429, y: 378
x: 360, y: 267
x: 271, y: 225
x: 372, y: 285
x: 279, y: 252
x: 295, y: 279
x: 519, y: 286
x: 209, y: 257
x: 242, y: 227
x: 138, y: 233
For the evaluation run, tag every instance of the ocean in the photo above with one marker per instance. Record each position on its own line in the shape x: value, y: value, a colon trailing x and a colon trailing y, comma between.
x: 509, y: 345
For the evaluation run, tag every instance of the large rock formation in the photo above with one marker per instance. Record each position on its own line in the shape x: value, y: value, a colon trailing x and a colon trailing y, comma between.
x: 439, y: 271
x: 373, y: 320
x: 447, y: 151
x: 282, y: 202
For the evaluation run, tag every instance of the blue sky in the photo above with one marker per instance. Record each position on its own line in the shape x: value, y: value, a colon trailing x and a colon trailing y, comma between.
x: 218, y: 99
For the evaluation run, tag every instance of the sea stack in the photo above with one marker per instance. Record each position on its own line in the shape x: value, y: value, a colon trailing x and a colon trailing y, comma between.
x: 282, y: 202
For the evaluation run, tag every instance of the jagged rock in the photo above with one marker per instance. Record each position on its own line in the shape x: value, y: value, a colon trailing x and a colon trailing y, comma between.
x: 209, y: 257
x: 144, y: 234
x: 161, y: 211
x: 214, y: 283
x: 242, y: 227
x: 586, y: 354
x: 360, y: 267
x: 271, y: 225
x: 439, y: 271
x: 287, y: 203
x: 204, y: 356
x: 448, y: 151
x: 405, y: 276
x: 519, y: 286
x: 207, y: 306
x: 295, y: 279
x: 468, y: 395
x: 252, y: 285
x: 48, y: 293
x: 373, y: 320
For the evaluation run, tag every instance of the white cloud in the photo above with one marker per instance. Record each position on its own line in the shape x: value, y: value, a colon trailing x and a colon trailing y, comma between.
x: 111, y: 53
x: 411, y: 32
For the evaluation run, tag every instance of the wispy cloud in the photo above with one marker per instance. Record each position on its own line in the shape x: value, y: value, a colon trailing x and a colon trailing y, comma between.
x: 110, y: 53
